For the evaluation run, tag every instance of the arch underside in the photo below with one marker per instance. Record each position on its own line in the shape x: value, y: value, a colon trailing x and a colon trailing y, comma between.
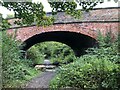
x: 78, y: 42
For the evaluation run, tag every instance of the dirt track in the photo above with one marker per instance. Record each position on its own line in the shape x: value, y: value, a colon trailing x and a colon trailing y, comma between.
x: 41, y: 81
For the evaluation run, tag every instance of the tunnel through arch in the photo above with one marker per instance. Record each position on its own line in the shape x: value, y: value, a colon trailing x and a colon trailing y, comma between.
x: 53, y: 51
x: 77, y: 41
x: 47, y: 46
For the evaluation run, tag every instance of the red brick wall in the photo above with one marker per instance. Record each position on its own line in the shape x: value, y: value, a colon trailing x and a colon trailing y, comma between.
x: 90, y: 29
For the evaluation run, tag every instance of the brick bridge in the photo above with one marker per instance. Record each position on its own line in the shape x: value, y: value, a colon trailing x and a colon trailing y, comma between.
x: 79, y: 34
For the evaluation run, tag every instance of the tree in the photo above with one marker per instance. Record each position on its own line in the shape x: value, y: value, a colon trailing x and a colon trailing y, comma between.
x: 29, y: 12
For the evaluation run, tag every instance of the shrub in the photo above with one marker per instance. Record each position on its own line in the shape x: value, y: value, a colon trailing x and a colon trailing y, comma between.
x: 10, y: 55
x: 14, y: 69
x: 99, y: 69
x: 35, y: 56
x: 87, y: 72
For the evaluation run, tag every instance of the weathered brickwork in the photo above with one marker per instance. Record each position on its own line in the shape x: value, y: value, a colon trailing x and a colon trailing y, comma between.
x: 64, y: 23
x: 94, y: 15
x: 90, y: 29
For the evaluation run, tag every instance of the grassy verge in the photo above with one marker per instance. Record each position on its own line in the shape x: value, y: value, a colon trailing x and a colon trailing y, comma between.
x: 31, y: 73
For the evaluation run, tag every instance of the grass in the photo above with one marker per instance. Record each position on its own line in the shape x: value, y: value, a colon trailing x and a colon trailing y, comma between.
x: 21, y: 83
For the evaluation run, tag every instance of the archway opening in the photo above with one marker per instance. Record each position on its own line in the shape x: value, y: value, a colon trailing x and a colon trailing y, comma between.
x: 77, y: 41
x: 55, y: 52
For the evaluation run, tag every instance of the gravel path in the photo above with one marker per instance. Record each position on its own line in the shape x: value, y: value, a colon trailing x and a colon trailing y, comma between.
x: 41, y: 81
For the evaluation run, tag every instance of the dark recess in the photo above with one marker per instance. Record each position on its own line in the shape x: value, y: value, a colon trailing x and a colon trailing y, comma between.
x: 78, y: 42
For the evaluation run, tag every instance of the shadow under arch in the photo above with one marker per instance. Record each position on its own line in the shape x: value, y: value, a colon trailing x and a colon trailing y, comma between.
x: 77, y: 41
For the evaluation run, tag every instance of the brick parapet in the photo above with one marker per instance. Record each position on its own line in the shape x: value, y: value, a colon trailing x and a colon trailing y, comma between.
x: 97, y: 15
x: 89, y: 29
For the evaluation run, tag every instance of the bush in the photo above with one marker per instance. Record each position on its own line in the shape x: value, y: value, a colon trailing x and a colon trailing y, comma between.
x: 87, y: 72
x: 35, y: 56
x: 99, y: 69
x: 10, y: 55
x: 14, y: 69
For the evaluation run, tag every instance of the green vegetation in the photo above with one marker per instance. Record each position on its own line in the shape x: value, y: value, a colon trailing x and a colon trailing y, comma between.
x: 4, y: 25
x: 98, y: 69
x: 88, y: 72
x: 15, y: 71
x: 33, y: 12
x: 54, y: 51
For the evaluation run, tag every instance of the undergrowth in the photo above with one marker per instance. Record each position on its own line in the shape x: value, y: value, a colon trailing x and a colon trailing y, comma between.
x: 15, y: 71
x: 99, y: 69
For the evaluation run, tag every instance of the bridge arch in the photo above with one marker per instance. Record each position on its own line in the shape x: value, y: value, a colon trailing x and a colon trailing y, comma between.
x: 77, y: 41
